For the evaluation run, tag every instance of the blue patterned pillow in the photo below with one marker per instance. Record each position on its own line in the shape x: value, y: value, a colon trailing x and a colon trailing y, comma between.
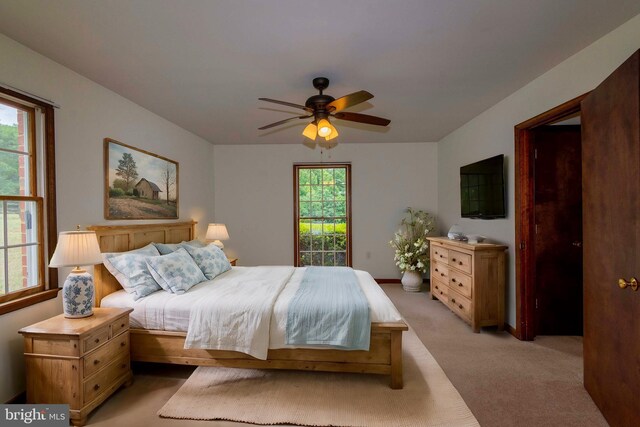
x: 211, y: 260
x: 175, y: 272
x: 167, y: 248
x: 130, y: 269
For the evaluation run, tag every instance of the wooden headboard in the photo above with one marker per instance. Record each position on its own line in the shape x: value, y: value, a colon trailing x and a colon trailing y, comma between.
x: 122, y: 238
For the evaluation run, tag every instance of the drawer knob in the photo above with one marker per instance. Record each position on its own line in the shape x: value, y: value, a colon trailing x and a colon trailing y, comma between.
x: 440, y: 292
x: 440, y: 256
x: 97, y: 340
x: 122, y: 344
x: 442, y: 274
x: 122, y: 325
x: 96, y: 361
x: 437, y: 269
x: 453, y: 259
x: 437, y: 287
x: 459, y: 262
x: 453, y: 280
x: 460, y: 284
x: 96, y: 387
x: 460, y: 306
x: 453, y: 300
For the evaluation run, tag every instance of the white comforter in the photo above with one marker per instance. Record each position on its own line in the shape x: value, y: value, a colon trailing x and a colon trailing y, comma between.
x: 170, y: 312
x: 237, y: 316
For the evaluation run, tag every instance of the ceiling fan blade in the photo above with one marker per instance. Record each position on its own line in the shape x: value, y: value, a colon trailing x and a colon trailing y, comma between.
x: 363, y: 118
x: 282, y: 121
x: 349, y: 100
x: 289, y: 104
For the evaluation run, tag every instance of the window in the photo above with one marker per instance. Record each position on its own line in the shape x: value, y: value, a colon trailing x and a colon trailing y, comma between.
x: 26, y: 133
x: 322, y: 223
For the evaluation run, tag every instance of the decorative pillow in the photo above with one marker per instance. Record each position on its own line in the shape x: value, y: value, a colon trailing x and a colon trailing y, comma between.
x: 211, y: 260
x: 130, y: 270
x: 175, y: 272
x: 167, y: 248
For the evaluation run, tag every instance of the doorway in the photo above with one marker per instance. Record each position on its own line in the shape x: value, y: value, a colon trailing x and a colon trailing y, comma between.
x: 549, y: 223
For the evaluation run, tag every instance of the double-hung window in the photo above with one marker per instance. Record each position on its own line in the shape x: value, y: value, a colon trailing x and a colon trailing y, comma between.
x: 322, y: 217
x: 24, y: 180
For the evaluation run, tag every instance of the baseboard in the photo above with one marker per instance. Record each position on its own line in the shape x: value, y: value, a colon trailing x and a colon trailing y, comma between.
x: 379, y: 281
x: 18, y: 398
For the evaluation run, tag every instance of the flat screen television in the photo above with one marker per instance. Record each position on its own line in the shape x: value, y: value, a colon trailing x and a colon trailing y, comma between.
x: 482, y: 189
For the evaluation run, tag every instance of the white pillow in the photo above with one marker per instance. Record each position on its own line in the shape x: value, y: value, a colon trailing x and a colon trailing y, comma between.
x: 167, y: 248
x: 176, y: 272
x: 211, y: 260
x: 130, y: 270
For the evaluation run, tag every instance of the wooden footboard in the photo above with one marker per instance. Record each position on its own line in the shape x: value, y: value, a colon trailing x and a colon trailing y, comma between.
x: 384, y: 356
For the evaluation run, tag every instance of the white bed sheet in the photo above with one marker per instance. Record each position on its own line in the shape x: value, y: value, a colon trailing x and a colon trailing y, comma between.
x: 170, y: 312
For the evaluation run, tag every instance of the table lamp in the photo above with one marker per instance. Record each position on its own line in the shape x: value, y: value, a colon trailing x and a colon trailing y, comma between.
x: 75, y: 249
x: 217, y: 232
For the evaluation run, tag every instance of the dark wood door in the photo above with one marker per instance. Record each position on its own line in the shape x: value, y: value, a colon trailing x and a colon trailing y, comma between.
x: 611, y: 233
x: 558, y: 236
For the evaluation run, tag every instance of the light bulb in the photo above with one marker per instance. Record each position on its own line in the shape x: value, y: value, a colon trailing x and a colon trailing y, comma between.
x: 324, y: 128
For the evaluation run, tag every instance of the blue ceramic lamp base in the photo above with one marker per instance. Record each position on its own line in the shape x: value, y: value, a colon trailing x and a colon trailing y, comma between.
x: 77, y: 294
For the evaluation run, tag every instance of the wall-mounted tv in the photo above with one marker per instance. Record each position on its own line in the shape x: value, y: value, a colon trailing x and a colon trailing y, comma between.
x: 482, y: 187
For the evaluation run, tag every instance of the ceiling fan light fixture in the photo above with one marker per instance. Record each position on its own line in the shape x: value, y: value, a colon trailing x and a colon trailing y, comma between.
x: 332, y: 135
x: 325, y: 128
x: 311, y: 131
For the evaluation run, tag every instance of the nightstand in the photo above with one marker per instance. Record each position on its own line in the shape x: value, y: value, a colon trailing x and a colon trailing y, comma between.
x: 80, y: 362
x: 232, y: 261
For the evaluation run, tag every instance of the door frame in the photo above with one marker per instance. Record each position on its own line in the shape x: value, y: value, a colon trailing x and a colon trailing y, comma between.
x: 525, y: 214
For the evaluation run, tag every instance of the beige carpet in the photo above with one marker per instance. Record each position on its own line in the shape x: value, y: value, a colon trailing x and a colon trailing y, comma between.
x: 324, y: 399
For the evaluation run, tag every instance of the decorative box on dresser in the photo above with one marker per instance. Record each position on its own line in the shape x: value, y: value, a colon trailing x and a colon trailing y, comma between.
x: 79, y: 362
x: 470, y: 280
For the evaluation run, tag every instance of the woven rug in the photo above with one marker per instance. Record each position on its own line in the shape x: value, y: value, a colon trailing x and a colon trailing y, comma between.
x: 324, y: 399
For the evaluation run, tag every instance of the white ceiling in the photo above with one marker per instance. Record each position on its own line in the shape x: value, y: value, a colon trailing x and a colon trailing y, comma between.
x: 202, y: 64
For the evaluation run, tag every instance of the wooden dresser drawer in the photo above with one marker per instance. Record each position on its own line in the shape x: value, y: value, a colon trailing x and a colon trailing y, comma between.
x: 460, y: 261
x: 100, y: 382
x: 461, y: 283
x: 440, y: 271
x: 460, y: 304
x: 440, y: 290
x: 439, y: 254
x: 101, y: 357
x: 96, y: 339
x: 119, y: 325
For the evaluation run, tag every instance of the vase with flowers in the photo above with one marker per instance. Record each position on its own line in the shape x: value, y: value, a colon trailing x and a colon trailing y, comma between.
x: 412, y: 247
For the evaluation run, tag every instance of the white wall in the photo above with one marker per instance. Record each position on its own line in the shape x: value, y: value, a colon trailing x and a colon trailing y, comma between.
x: 254, y: 197
x: 90, y: 113
x: 492, y: 132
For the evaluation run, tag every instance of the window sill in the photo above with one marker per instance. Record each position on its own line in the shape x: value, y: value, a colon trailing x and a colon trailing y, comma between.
x: 23, y: 302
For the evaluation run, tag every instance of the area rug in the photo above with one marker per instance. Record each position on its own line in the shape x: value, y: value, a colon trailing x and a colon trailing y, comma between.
x: 324, y: 399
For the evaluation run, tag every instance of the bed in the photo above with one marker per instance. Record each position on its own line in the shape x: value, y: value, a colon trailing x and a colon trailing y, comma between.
x: 166, y: 345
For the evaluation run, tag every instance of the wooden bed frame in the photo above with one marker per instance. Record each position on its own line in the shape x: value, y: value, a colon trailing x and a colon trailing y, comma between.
x: 384, y: 355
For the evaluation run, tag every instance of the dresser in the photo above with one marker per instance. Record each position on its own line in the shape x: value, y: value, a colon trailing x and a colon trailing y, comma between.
x: 470, y: 280
x: 79, y: 362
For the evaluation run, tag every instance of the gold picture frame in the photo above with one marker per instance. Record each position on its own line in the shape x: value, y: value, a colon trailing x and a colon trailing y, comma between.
x: 139, y: 184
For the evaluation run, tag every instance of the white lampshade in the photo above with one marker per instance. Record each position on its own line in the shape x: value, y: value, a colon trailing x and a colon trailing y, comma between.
x: 76, y: 248
x: 217, y: 232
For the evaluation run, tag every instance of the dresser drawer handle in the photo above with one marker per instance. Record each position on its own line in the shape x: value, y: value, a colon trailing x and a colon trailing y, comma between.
x: 440, y: 256
x: 437, y: 269
x: 440, y: 292
x: 454, y: 260
x: 459, y: 262
x: 96, y: 387
x: 122, y: 325
x: 453, y: 300
x: 460, y: 306
x: 96, y: 361
x: 122, y: 344
x: 453, y: 280
x: 437, y: 287
x: 460, y: 284
x: 442, y: 274
x: 97, y: 340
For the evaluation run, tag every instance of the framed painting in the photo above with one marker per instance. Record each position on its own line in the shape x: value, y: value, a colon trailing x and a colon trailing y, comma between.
x: 138, y: 184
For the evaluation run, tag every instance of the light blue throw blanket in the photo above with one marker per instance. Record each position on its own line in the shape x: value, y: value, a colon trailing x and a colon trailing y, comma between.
x: 329, y: 308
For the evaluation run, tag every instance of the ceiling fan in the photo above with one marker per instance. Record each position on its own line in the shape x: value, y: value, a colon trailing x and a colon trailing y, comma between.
x: 320, y: 107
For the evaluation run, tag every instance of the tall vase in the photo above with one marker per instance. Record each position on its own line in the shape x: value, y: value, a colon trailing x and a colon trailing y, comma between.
x: 411, y: 281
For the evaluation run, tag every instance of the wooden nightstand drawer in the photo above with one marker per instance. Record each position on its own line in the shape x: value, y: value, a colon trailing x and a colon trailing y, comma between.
x: 95, y: 339
x: 59, y: 345
x: 460, y: 282
x: 460, y: 261
x: 101, y: 381
x: 101, y: 357
x: 119, y: 325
